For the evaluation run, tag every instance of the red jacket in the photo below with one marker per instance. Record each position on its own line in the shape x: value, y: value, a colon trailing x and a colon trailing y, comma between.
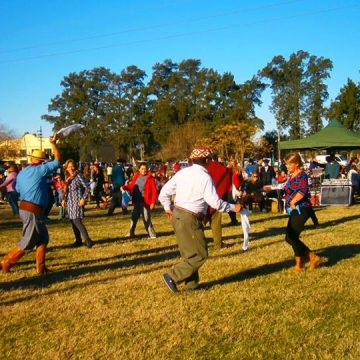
x: 221, y: 177
x: 150, y: 192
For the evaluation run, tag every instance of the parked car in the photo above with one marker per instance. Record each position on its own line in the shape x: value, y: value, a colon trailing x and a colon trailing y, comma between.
x: 341, y: 159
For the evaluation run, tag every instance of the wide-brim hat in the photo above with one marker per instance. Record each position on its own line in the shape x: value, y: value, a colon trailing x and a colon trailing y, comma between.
x: 201, y: 152
x: 38, y: 154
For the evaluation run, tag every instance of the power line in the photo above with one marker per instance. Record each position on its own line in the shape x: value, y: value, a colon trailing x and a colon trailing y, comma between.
x: 146, y: 28
x: 223, y: 28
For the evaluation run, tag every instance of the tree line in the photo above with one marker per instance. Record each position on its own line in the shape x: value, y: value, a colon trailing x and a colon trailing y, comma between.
x: 183, y: 104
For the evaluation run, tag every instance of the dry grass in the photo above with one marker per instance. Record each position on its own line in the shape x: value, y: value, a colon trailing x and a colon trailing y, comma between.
x: 110, y: 302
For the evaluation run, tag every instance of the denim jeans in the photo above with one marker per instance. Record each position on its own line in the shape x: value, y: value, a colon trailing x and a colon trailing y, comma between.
x: 12, y: 198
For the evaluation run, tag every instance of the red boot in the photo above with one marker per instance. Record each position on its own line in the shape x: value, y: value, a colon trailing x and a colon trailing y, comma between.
x: 40, y: 259
x: 11, y: 258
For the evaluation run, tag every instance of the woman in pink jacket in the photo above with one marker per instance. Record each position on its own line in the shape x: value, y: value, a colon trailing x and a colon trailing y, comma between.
x: 9, y: 184
x: 144, y: 194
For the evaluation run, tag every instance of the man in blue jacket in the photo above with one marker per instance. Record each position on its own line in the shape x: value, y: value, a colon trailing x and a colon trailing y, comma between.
x: 118, y: 180
x: 33, y: 193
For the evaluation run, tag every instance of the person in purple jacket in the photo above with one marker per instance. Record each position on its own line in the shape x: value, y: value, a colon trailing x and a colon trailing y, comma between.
x: 31, y: 184
x: 9, y: 184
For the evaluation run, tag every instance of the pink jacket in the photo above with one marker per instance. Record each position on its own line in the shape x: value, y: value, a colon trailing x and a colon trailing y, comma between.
x: 10, y: 182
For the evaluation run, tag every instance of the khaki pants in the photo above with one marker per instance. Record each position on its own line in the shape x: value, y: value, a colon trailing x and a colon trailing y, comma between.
x: 191, y: 241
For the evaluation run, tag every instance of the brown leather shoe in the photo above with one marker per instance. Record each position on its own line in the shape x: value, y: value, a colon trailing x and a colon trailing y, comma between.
x: 11, y: 258
x: 314, y: 260
x: 299, y: 264
x: 40, y: 259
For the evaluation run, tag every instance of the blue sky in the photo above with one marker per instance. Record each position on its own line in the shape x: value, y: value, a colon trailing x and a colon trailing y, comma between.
x: 43, y: 41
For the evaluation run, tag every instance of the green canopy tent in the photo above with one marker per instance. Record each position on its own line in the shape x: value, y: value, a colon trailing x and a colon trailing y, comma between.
x: 334, y: 136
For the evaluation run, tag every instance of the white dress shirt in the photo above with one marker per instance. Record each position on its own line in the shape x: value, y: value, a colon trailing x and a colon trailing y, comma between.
x: 194, y: 190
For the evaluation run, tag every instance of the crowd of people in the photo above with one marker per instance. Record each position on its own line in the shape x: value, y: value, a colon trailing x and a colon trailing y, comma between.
x: 191, y: 197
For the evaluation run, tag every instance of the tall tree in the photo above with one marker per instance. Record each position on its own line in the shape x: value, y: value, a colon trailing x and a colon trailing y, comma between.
x: 317, y: 71
x: 298, y: 91
x: 84, y: 100
x: 127, y: 109
x: 161, y: 89
x: 346, y: 107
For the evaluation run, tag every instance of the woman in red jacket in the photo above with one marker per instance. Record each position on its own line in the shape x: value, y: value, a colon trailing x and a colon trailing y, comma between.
x: 144, y: 194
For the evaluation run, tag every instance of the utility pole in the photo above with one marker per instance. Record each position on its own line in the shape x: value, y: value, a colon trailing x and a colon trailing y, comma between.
x: 40, y: 136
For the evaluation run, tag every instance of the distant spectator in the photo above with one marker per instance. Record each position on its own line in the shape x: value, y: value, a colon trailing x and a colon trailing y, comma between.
x: 354, y: 176
x: 251, y: 167
x: 9, y: 185
x: 2, y: 189
x: 109, y: 170
x: 281, y: 177
x: 176, y: 167
x: 118, y: 179
x: 58, y: 185
x: 313, y: 164
x: 253, y: 192
x: 266, y: 173
x: 332, y: 168
x: 98, y: 178
x: 129, y: 172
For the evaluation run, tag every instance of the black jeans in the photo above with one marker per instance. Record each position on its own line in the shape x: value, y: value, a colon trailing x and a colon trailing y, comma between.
x: 116, y: 199
x: 295, y: 226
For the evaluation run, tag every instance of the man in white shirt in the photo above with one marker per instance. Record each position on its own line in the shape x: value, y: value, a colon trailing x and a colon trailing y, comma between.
x: 194, y: 191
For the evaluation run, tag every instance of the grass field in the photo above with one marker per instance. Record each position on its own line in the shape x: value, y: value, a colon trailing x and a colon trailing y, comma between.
x: 109, y: 302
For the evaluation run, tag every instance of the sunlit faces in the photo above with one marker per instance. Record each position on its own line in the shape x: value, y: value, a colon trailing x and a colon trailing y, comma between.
x: 292, y: 167
x: 143, y: 170
x: 70, y: 168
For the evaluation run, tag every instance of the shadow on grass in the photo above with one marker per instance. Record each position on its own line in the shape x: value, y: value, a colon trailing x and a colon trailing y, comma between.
x: 11, y: 224
x: 334, y: 254
x: 238, y: 252
x: 145, y: 257
x: 273, y: 231
x: 340, y: 220
x: 73, y: 287
x: 120, y: 239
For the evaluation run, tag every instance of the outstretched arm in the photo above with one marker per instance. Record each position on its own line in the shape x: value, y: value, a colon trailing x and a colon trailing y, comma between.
x: 54, y: 147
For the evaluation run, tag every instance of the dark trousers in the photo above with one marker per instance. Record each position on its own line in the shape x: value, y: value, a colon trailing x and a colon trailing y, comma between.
x: 295, y: 226
x: 12, y: 197
x: 313, y: 216
x: 116, y: 201
x: 189, y: 232
x: 79, y: 230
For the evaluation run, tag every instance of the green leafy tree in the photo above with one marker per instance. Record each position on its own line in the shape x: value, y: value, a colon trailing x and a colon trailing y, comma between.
x: 346, y: 107
x: 84, y: 100
x: 127, y: 109
x: 317, y: 71
x: 269, y: 143
x: 298, y: 91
